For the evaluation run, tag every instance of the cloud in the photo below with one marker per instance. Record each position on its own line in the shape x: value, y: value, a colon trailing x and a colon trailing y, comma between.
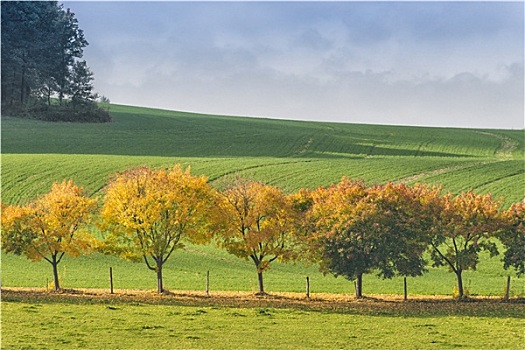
x: 448, y: 64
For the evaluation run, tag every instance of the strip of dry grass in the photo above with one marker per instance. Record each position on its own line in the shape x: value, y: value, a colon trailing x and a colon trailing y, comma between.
x: 339, y: 303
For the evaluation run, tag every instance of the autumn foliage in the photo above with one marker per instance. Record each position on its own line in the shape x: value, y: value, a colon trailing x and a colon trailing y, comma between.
x: 464, y: 226
x: 358, y: 230
x: 50, y: 227
x: 348, y: 228
x: 150, y: 213
x: 257, y: 222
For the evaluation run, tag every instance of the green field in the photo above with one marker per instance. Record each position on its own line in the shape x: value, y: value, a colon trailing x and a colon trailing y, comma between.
x: 291, y: 154
x: 266, y: 324
x: 186, y: 270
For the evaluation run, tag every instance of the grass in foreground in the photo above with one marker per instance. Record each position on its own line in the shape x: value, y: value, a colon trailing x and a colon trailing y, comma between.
x: 175, y: 322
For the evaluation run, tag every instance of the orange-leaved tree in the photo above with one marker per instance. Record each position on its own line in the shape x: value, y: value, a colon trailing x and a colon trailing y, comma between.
x: 257, y: 222
x: 149, y: 213
x: 464, y: 226
x: 50, y: 227
x: 359, y: 230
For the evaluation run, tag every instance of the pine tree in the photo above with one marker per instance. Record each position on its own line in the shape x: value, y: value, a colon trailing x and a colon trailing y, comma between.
x: 42, y: 47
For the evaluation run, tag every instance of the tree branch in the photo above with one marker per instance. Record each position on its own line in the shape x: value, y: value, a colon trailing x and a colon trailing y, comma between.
x: 444, y: 257
x: 147, y: 263
x: 60, y: 258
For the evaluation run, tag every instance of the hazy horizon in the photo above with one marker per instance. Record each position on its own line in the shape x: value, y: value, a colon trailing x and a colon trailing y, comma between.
x: 440, y: 64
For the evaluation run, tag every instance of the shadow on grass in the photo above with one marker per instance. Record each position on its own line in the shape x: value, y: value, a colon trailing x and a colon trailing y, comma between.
x: 420, y: 306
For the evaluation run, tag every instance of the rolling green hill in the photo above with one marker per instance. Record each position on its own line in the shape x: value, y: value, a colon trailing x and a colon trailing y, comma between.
x: 291, y: 154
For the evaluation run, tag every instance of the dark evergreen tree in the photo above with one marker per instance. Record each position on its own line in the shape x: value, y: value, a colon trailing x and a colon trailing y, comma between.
x: 42, y: 47
x: 80, y: 84
x: 71, y: 43
x: 25, y: 43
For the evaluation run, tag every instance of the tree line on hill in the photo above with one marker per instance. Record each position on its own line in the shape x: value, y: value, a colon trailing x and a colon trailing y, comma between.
x: 43, y: 74
x: 348, y: 228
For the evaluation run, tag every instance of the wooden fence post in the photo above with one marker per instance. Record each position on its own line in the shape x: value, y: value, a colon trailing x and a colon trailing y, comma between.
x: 507, y: 289
x: 307, y: 287
x: 405, y: 298
x: 208, y: 283
x: 111, y: 280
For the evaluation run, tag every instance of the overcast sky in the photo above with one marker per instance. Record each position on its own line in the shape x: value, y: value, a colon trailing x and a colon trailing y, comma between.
x: 407, y: 63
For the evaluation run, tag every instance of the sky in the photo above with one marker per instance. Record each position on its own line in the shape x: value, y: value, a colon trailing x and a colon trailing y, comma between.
x: 449, y: 64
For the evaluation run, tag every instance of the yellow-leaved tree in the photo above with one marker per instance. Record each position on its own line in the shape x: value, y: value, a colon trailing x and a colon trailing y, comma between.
x: 465, y: 225
x: 148, y: 213
x: 258, y: 222
x: 50, y: 227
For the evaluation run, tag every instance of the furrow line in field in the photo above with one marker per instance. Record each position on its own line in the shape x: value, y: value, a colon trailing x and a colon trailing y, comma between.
x: 306, y: 146
x: 256, y: 166
x: 440, y: 171
x: 522, y: 171
x: 507, y: 147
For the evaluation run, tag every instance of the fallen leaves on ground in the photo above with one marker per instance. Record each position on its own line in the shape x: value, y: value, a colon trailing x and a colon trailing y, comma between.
x: 339, y: 303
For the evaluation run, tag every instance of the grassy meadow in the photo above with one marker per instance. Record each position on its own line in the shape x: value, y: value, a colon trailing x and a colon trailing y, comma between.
x: 186, y: 270
x: 114, y: 325
x: 290, y: 154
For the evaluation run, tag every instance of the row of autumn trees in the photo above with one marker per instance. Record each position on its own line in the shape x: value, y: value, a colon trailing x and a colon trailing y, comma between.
x: 43, y: 73
x: 349, y: 229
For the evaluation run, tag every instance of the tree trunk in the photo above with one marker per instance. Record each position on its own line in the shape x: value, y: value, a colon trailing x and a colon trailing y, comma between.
x: 359, y: 286
x: 54, y: 263
x: 460, y: 285
x: 22, y: 83
x: 261, y: 285
x: 160, y: 288
x: 13, y: 90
